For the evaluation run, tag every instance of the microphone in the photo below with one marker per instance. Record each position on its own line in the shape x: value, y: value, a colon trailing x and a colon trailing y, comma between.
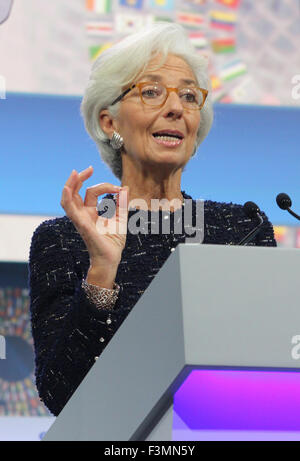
x: 284, y: 202
x: 252, y: 211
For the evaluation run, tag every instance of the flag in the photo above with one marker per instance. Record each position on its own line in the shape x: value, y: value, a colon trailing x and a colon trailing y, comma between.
x: 98, y: 6
x: 162, y: 18
x: 220, y: 20
x: 198, y: 40
x: 245, y: 91
x: 96, y: 50
x: 216, y: 83
x: 233, y: 69
x: 129, y: 23
x: 165, y: 5
x: 230, y: 3
x: 268, y: 99
x: 280, y: 233
x: 298, y: 239
x: 137, y: 4
x: 99, y: 28
x: 190, y: 19
x: 221, y: 96
x: 223, y: 45
x: 226, y: 99
x: 196, y: 2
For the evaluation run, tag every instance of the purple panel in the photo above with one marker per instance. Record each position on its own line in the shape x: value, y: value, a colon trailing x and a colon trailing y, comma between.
x: 239, y: 400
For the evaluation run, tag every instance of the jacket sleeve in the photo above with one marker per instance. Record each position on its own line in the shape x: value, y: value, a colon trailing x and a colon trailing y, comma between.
x: 69, y: 332
x: 265, y: 236
x: 232, y: 226
x: 241, y: 226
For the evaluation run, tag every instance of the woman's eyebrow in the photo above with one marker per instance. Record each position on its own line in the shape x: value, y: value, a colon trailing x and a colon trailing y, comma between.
x: 158, y: 78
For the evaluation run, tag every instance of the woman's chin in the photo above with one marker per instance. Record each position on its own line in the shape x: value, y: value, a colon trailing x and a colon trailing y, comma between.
x: 167, y: 160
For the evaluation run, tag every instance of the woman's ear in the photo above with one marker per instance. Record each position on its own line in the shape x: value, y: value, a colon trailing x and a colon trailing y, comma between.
x: 106, y: 122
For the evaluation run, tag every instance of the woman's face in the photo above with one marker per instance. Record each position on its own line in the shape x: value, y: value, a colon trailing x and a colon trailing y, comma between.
x: 136, y: 122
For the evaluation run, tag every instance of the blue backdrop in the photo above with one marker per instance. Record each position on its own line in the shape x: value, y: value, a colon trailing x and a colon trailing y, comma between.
x: 251, y: 153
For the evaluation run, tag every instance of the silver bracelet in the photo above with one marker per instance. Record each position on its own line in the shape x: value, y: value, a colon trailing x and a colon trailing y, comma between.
x: 103, y: 298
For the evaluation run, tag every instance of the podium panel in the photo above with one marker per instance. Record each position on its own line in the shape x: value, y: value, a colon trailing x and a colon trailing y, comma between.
x: 210, y: 307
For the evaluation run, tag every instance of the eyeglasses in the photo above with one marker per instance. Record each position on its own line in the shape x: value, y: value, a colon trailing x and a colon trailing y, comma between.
x: 155, y: 94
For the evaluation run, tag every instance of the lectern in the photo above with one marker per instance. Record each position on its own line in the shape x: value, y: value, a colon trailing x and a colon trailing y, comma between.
x: 222, y: 321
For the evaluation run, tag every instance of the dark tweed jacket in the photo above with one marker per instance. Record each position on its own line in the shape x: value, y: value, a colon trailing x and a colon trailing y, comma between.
x: 68, y: 330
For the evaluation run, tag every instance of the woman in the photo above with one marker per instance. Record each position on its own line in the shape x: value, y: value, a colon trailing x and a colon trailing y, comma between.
x: 148, y: 108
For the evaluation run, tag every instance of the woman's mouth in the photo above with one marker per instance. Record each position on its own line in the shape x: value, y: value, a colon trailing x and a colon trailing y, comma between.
x: 168, y: 141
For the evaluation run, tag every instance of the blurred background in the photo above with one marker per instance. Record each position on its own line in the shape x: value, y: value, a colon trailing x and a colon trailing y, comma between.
x: 46, y: 51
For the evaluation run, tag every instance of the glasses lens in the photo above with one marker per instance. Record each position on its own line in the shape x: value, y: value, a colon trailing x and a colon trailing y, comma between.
x: 191, y: 97
x: 153, y: 94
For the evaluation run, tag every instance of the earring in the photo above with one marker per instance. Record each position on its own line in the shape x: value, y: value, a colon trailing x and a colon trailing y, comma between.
x: 116, y: 141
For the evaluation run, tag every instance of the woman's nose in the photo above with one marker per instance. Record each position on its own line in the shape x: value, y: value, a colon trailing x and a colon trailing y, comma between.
x: 173, y: 104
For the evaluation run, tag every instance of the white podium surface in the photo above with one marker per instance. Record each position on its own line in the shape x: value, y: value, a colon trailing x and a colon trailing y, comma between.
x: 209, y: 306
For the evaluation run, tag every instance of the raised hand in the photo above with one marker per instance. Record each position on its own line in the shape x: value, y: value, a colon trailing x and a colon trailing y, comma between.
x: 105, y: 238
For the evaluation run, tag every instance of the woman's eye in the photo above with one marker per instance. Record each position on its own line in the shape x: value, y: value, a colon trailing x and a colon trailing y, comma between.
x: 150, y: 92
x: 189, y: 97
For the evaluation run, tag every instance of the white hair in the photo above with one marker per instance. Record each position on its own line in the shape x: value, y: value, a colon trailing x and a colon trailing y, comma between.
x: 118, y: 66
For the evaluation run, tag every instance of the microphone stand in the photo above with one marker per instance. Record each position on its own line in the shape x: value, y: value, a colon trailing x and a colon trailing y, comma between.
x: 253, y: 233
x: 293, y: 214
